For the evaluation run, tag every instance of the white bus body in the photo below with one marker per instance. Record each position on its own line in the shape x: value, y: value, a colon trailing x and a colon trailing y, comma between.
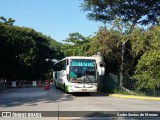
x: 76, y: 74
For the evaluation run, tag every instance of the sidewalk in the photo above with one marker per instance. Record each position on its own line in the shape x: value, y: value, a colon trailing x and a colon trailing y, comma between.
x: 135, y: 97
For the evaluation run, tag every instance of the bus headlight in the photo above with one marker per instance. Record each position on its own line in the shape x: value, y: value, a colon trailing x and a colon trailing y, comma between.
x: 71, y: 86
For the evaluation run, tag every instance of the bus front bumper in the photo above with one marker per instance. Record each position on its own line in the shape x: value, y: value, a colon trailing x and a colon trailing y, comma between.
x: 72, y: 90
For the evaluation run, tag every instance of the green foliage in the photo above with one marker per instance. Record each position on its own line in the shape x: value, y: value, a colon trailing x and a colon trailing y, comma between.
x: 23, y: 52
x: 107, y: 42
x: 76, y: 45
x: 10, y: 21
x: 147, y: 73
x: 134, y: 11
x: 140, y: 41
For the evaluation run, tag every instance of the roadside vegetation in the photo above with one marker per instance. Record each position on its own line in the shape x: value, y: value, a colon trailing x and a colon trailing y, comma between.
x: 23, y: 52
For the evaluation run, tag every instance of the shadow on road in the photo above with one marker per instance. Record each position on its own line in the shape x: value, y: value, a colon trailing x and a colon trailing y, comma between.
x: 31, y: 96
x: 89, y: 94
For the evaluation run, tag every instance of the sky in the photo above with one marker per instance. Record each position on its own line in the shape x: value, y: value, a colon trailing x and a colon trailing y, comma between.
x: 54, y: 18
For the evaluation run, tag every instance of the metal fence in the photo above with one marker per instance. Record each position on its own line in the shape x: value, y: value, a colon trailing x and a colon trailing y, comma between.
x: 20, y: 84
x: 111, y: 84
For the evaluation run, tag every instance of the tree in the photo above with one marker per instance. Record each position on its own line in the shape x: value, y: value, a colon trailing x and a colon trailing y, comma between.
x: 10, y: 21
x: 23, y: 52
x: 16, y: 51
x: 147, y: 71
x: 76, y: 45
x: 108, y: 42
x: 141, y: 12
x: 128, y: 13
x: 56, y: 46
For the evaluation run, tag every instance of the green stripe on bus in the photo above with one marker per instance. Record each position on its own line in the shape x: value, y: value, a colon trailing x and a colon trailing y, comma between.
x: 62, y: 87
x: 67, y: 88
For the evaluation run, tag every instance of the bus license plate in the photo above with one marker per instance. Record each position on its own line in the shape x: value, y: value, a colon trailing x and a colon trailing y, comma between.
x: 84, y: 90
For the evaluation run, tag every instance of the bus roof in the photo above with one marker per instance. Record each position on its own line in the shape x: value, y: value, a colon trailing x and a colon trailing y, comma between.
x: 79, y: 57
x: 76, y: 57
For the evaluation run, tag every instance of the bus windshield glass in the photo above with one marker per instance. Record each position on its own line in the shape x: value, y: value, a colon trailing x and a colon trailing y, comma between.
x: 82, y: 71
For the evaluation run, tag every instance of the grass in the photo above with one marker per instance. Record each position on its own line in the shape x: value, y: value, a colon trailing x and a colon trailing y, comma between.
x: 123, y: 92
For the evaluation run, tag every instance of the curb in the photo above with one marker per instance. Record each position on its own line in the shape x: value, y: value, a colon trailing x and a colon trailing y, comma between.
x: 135, y: 97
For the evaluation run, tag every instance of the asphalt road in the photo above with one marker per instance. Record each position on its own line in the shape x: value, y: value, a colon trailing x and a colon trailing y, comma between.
x: 23, y: 100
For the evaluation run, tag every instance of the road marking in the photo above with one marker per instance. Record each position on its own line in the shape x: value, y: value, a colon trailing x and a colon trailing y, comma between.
x: 135, y: 97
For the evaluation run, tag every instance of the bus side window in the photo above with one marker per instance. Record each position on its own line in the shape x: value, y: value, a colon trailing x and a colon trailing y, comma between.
x: 64, y: 65
x: 60, y: 66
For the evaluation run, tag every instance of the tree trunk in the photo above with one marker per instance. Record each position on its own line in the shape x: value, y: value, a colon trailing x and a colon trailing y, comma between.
x: 122, y: 65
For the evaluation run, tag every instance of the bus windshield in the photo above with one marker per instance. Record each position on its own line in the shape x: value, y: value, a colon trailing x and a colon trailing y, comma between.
x: 82, y: 71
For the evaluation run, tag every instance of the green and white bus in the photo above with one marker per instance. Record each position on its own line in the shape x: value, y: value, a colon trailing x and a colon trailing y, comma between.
x: 76, y: 74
